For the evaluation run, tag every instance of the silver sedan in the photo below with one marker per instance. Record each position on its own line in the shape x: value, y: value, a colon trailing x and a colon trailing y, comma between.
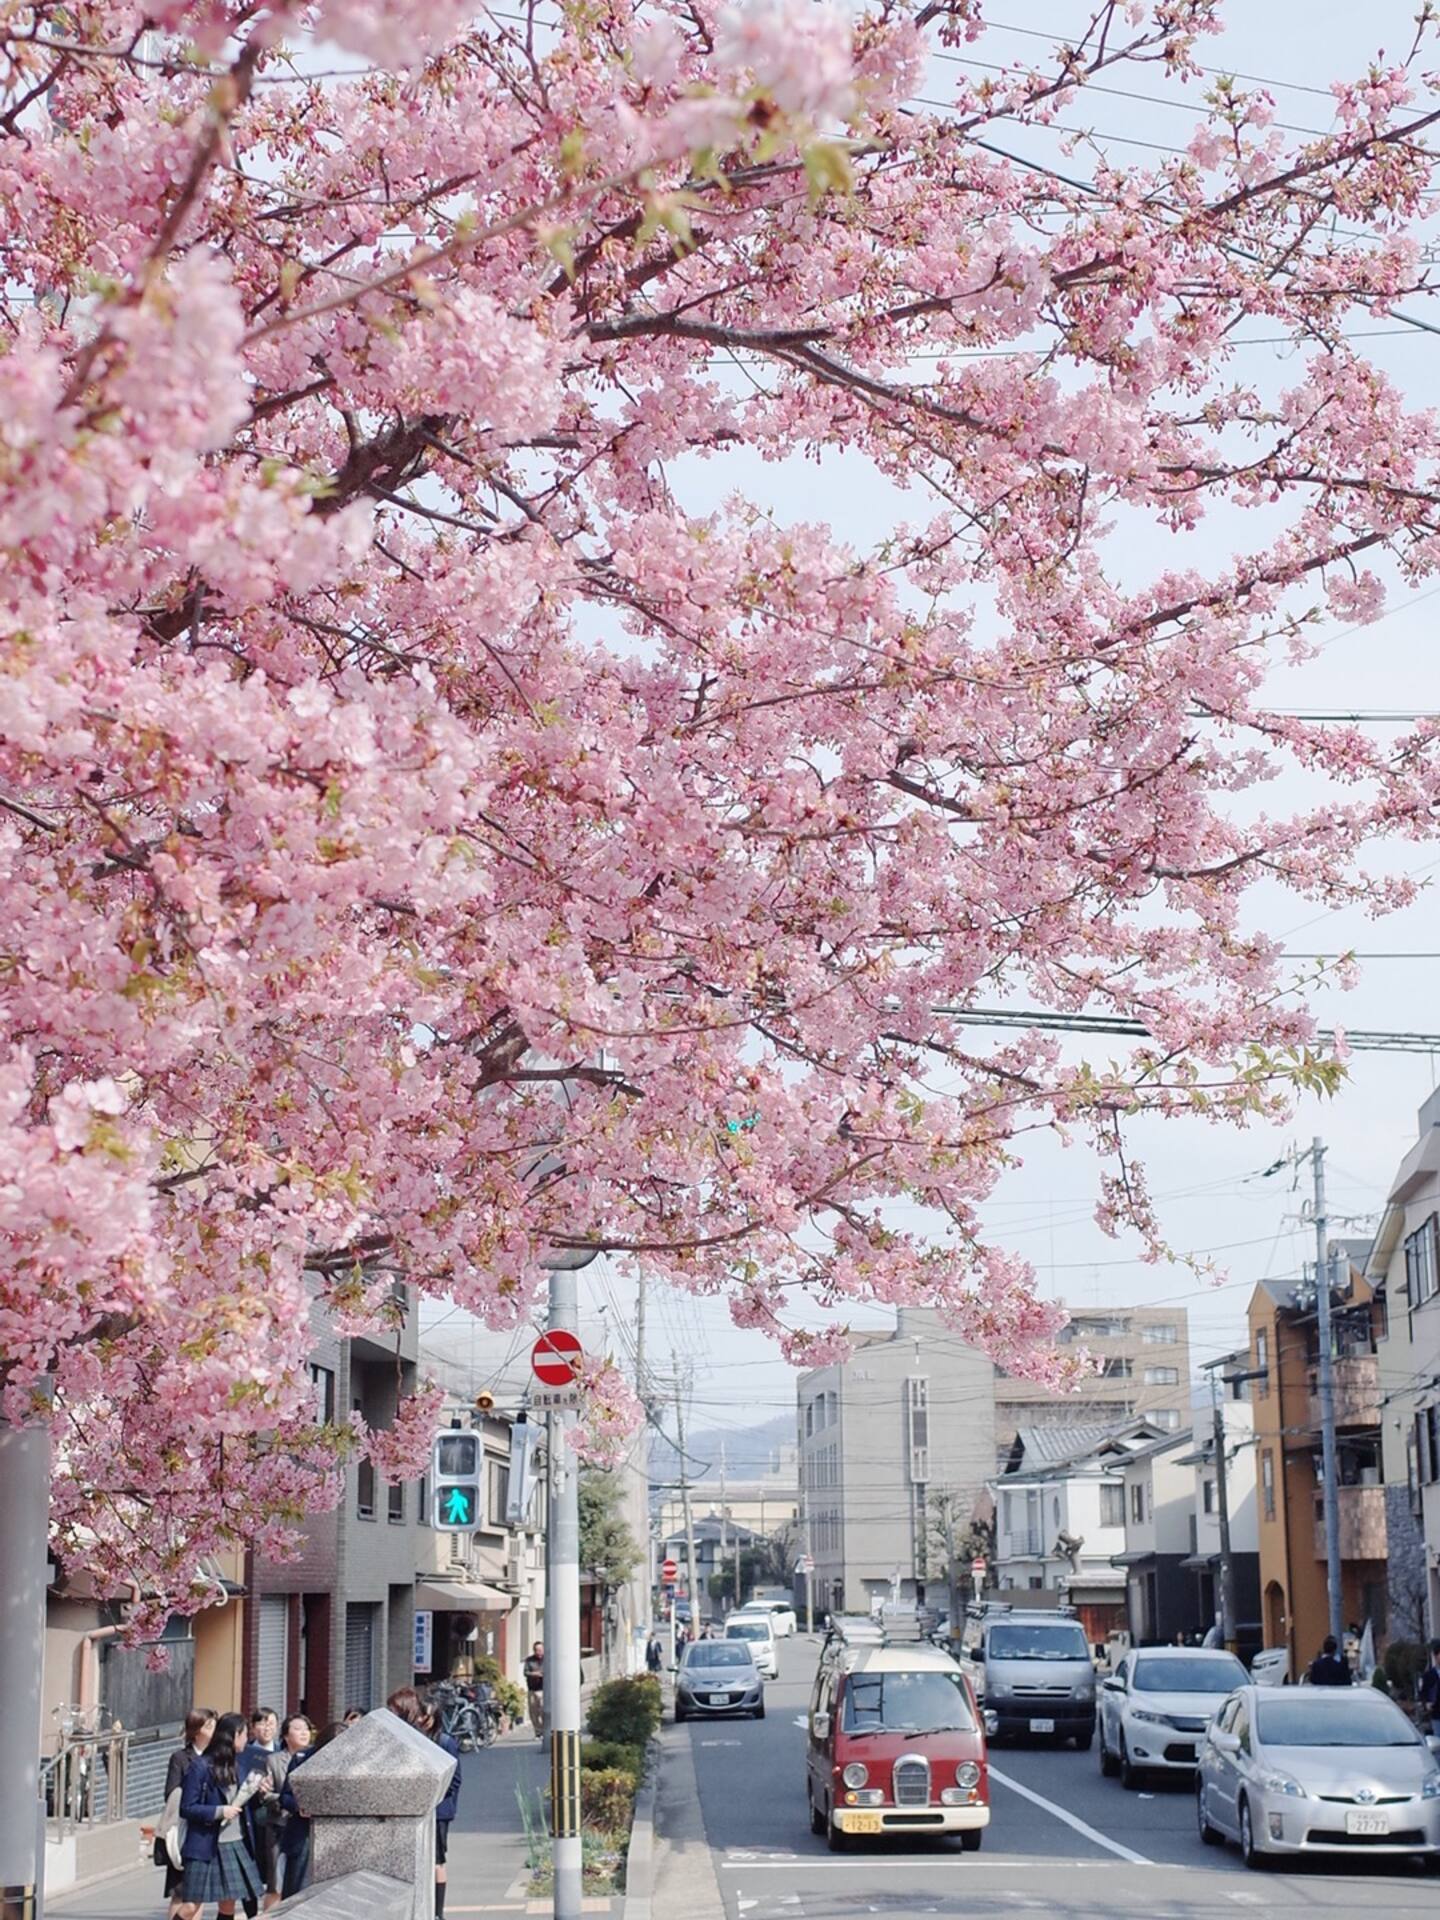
x: 1305, y: 1770
x: 718, y: 1677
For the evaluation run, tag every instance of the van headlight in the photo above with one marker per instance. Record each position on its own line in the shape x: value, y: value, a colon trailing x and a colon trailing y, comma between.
x: 967, y: 1774
x: 856, y: 1774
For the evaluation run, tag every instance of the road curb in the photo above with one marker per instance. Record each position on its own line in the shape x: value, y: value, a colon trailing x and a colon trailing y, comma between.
x: 640, y: 1858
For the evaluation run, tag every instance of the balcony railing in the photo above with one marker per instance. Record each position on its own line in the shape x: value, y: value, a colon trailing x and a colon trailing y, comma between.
x: 1023, y: 1542
x: 1362, y: 1524
x: 1357, y: 1392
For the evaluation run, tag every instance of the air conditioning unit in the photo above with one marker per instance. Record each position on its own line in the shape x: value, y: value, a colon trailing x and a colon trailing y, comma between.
x: 514, y: 1566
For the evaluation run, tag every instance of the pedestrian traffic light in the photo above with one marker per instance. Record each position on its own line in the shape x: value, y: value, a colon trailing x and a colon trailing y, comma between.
x: 455, y: 1461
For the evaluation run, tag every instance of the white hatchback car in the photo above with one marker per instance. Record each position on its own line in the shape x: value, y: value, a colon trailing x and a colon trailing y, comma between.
x: 782, y: 1615
x: 1156, y: 1706
x: 759, y: 1630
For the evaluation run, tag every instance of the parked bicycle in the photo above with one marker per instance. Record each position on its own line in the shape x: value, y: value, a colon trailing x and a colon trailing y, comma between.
x: 468, y: 1714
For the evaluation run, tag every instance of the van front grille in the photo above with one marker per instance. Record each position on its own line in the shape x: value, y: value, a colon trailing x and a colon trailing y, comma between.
x: 912, y: 1782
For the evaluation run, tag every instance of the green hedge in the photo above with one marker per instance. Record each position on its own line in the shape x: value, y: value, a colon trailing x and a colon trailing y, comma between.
x: 626, y: 1712
x: 607, y: 1801
x: 602, y: 1756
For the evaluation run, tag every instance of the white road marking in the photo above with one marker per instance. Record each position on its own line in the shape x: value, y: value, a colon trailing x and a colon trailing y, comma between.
x: 719, y: 1743
x: 1071, y: 1820
x: 1247, y: 1899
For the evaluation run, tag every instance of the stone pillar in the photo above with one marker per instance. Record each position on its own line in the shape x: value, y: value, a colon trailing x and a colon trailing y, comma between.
x: 372, y: 1795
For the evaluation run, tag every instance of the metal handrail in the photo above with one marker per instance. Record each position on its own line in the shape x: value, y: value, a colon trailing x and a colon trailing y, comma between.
x: 104, y: 1776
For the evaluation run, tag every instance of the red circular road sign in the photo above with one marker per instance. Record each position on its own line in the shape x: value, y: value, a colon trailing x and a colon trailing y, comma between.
x: 556, y: 1359
x: 669, y: 1570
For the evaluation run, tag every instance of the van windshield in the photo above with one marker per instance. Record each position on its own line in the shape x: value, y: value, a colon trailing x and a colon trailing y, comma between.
x: 1064, y: 1640
x: 925, y: 1702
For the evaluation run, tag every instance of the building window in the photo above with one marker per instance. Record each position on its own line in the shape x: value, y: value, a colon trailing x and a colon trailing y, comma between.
x: 364, y: 1483
x: 1262, y: 1360
x: 1427, y: 1446
x: 422, y: 1500
x: 1137, y: 1503
x: 1422, y: 1268
x: 1118, y: 1368
x: 395, y: 1510
x: 917, y: 1403
x: 809, y: 1418
x: 323, y: 1381
x: 1207, y: 1494
x: 1167, y: 1417
x: 498, y: 1477
x: 1267, y: 1482
x: 1162, y: 1376
x: 1160, y: 1333
x: 1112, y: 1506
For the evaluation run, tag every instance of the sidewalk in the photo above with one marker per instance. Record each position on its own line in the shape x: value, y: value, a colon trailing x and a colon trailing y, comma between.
x: 487, y: 1847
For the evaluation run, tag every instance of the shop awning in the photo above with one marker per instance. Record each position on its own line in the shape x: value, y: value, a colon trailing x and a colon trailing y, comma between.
x: 1201, y: 1562
x: 460, y: 1596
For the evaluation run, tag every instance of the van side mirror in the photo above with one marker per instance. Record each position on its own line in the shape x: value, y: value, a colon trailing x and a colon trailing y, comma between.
x: 820, y: 1726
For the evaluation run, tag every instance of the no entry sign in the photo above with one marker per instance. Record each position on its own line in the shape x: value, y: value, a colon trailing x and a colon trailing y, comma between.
x: 556, y: 1359
x: 668, y: 1570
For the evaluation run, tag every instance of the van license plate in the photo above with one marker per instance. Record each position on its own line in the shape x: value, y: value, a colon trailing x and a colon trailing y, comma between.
x: 1042, y: 1726
x: 1367, y: 1823
x: 861, y: 1823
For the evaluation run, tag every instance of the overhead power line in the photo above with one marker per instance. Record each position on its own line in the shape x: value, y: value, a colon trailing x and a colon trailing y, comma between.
x: 1359, y: 1040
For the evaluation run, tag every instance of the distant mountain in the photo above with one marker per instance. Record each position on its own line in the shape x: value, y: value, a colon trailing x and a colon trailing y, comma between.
x: 749, y: 1451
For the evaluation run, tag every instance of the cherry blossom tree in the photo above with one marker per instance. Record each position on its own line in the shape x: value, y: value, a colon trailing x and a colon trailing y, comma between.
x: 392, y: 725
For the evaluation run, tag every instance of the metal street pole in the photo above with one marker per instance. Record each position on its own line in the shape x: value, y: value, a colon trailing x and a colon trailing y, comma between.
x: 25, y: 1530
x: 1330, y: 1478
x: 562, y: 1609
x: 685, y: 1509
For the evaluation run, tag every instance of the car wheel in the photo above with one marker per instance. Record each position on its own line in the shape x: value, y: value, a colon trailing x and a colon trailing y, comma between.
x: 1252, y: 1855
x: 1211, y: 1836
x: 1129, y: 1772
x: 817, y: 1819
x: 760, y: 1711
x: 970, y: 1842
x: 837, y: 1841
x: 680, y: 1716
x: 1109, y: 1765
x: 1083, y: 1741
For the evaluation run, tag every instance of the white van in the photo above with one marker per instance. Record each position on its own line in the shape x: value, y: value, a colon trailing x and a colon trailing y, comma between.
x: 759, y: 1630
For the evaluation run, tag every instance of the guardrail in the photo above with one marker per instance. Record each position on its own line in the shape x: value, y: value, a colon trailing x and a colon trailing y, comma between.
x: 99, y: 1779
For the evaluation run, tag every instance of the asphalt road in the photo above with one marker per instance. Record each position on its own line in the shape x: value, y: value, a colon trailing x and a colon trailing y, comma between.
x: 1062, y: 1840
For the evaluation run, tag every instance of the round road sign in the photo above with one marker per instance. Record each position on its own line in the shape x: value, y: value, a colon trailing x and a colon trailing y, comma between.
x: 669, y: 1570
x: 556, y: 1359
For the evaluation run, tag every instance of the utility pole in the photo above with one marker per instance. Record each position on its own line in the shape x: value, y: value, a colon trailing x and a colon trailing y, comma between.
x: 1331, y: 1489
x: 25, y: 1530
x: 680, y: 1391
x: 952, y: 1586
x: 725, y: 1536
x: 562, y: 1607
x: 1222, y: 1510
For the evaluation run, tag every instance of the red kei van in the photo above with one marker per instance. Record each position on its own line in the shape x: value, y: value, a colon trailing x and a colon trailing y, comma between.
x: 896, y: 1745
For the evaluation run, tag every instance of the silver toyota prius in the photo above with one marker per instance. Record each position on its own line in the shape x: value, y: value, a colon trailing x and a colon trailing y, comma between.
x: 1303, y: 1770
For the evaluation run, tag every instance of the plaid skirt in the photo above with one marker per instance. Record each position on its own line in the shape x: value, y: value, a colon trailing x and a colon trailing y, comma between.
x: 230, y: 1876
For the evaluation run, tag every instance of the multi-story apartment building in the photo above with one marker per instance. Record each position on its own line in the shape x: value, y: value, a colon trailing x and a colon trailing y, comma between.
x: 1404, y: 1267
x: 1284, y: 1350
x: 909, y: 1417
x: 1144, y: 1370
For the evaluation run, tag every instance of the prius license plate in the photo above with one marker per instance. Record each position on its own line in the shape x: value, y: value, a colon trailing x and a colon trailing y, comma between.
x: 1369, y: 1823
x: 1042, y: 1726
x: 861, y: 1823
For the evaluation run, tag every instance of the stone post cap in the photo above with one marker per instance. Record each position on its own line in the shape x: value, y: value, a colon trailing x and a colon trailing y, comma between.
x: 380, y: 1766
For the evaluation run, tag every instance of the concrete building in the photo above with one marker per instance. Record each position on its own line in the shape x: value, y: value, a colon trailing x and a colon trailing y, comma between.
x: 1284, y: 1348
x: 1161, y: 1599
x: 1144, y: 1356
x: 1404, y: 1268
x: 764, y: 1506
x: 909, y: 1417
x: 1060, y: 1519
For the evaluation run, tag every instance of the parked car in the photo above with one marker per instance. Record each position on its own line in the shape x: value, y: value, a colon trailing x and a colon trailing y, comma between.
x: 895, y: 1746
x: 1317, y: 1770
x: 758, y: 1630
x: 718, y: 1677
x: 780, y: 1612
x: 1156, y: 1706
x: 1034, y: 1672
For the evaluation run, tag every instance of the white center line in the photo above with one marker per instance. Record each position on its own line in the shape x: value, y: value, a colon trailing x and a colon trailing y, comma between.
x: 1071, y: 1820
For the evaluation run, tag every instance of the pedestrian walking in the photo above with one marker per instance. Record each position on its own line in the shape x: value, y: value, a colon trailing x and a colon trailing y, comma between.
x: 295, y: 1833
x: 199, y: 1726
x: 218, y: 1864
x: 1430, y: 1687
x: 1329, y: 1668
x: 264, y: 1810
x: 535, y: 1687
x: 408, y: 1705
x: 654, y: 1657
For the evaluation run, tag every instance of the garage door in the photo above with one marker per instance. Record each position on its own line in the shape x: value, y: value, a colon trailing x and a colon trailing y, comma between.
x: 272, y: 1664
x: 360, y: 1655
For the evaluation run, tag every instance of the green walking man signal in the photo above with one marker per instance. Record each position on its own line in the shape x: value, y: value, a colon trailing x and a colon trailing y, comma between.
x: 456, y: 1457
